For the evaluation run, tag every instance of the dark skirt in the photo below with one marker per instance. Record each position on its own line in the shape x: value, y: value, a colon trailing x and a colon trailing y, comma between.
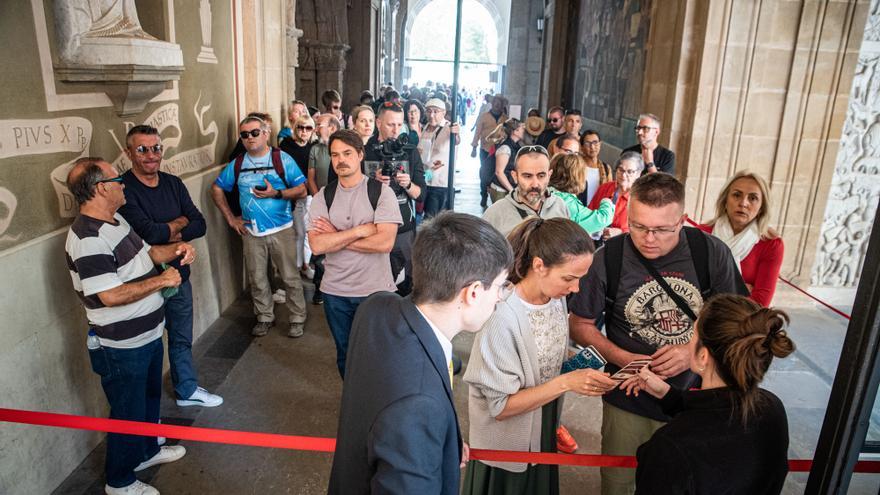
x: 538, y: 479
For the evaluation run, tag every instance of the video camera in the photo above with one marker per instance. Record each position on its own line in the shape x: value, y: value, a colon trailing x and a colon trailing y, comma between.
x: 394, y: 155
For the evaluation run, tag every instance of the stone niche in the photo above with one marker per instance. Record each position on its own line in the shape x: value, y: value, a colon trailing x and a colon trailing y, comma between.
x: 101, y: 42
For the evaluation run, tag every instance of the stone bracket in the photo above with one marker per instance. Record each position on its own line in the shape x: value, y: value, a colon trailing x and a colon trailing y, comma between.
x: 130, y: 87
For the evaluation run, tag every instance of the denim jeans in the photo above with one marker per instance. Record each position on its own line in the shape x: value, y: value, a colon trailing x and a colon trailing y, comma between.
x: 435, y: 200
x: 132, y: 382
x: 339, y: 311
x: 487, y: 171
x: 179, y: 324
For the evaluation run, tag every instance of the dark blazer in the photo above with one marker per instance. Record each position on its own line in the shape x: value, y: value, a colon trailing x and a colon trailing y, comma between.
x: 705, y: 449
x: 398, y: 431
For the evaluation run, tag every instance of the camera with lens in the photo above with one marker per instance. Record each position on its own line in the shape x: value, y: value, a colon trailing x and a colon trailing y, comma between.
x: 394, y: 155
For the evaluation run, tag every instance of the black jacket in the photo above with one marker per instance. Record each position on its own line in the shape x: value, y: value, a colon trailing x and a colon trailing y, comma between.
x: 417, y: 175
x: 705, y: 449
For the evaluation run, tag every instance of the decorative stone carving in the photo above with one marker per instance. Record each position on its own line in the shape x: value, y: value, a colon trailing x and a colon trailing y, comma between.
x: 292, y: 34
x: 855, y: 186
x: 101, y: 41
x: 207, y: 54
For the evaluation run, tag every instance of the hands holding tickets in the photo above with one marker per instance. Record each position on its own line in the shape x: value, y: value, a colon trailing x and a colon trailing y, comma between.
x: 586, y: 382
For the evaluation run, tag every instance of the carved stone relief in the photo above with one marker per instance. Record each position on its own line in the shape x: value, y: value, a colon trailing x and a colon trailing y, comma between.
x: 855, y: 186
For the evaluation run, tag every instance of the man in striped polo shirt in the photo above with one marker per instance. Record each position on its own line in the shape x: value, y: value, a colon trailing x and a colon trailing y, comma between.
x: 114, y: 274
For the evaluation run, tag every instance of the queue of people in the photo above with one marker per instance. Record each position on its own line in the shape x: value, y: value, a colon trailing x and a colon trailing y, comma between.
x: 337, y: 201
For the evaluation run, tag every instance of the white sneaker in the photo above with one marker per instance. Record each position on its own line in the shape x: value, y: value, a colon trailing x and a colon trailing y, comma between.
x: 201, y: 397
x: 279, y: 296
x: 308, y: 273
x: 136, y: 488
x: 168, y: 453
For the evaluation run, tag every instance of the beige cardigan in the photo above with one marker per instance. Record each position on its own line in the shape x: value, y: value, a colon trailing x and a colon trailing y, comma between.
x: 503, y: 361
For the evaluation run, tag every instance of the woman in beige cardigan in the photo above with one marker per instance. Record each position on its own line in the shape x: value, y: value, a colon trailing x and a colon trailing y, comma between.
x: 514, y: 370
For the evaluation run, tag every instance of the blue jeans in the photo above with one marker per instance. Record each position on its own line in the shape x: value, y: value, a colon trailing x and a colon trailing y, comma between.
x: 435, y: 200
x: 339, y: 312
x: 487, y: 172
x: 132, y: 382
x: 179, y: 324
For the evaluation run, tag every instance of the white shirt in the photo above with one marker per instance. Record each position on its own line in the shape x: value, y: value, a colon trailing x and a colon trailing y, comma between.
x: 445, y: 343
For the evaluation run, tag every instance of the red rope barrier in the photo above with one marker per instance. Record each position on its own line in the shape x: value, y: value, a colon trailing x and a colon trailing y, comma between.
x: 318, y: 444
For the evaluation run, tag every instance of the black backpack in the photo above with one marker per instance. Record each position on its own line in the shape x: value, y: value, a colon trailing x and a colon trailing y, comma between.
x: 232, y: 197
x: 374, y: 190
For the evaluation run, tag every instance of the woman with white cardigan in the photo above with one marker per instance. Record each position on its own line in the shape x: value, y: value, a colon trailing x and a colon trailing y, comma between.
x: 514, y: 369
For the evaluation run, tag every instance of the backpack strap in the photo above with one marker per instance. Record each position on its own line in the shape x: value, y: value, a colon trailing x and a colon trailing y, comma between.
x: 374, y: 190
x: 236, y: 168
x: 699, y: 247
x: 613, y: 260
x: 330, y: 193
x: 278, y: 165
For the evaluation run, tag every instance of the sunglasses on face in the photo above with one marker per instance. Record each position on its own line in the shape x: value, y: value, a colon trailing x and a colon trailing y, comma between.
x: 554, y: 119
x: 142, y: 150
x: 252, y: 133
x: 305, y: 128
x: 114, y: 179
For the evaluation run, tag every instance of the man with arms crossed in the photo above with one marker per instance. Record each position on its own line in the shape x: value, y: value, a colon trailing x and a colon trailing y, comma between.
x: 398, y: 430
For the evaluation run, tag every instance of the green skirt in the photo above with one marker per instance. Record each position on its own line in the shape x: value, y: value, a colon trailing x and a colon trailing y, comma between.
x: 537, y: 479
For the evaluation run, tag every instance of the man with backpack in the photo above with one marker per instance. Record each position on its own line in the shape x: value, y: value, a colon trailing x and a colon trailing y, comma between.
x: 266, y: 180
x: 649, y: 284
x: 354, y: 222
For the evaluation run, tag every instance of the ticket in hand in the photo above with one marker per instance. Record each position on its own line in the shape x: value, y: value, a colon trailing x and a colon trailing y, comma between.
x: 630, y: 370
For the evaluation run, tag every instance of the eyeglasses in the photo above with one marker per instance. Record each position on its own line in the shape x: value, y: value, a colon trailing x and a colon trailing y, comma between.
x: 505, y: 289
x: 592, y: 143
x: 643, y: 128
x: 305, y: 128
x: 252, y: 133
x: 658, y: 232
x: 629, y: 171
x: 535, y: 148
x: 156, y: 148
x: 114, y: 179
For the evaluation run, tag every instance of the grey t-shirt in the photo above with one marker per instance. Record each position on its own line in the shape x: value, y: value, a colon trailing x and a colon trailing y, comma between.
x: 645, y: 318
x: 319, y: 159
x: 348, y: 273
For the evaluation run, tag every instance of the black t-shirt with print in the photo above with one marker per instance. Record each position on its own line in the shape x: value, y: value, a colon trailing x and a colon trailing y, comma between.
x: 645, y: 318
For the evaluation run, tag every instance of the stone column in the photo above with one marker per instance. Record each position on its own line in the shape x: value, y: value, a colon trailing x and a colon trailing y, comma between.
x: 855, y: 186
x: 292, y: 35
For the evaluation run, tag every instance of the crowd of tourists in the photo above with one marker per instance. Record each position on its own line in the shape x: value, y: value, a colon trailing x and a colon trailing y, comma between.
x: 574, y: 257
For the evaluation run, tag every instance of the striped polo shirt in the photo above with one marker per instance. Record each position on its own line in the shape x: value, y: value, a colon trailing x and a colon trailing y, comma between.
x: 101, y: 256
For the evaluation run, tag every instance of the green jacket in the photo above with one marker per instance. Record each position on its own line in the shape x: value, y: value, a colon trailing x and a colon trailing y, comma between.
x: 591, y: 220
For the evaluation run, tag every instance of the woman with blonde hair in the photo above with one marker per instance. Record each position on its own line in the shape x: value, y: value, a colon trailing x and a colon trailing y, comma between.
x: 364, y: 121
x: 567, y: 180
x: 742, y: 215
x: 299, y: 146
x: 513, y: 377
x: 729, y: 425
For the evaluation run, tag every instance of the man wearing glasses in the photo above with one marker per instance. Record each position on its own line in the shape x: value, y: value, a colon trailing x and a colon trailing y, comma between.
x: 531, y: 196
x: 266, y: 224
x: 644, y: 317
x: 114, y: 274
x: 159, y: 209
x: 554, y: 127
x: 656, y: 157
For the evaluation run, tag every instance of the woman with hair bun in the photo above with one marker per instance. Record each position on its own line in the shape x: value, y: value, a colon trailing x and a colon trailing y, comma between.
x: 514, y: 371
x: 729, y: 436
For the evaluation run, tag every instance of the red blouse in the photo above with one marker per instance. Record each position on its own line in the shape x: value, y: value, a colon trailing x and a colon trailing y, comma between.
x: 760, y: 269
x: 606, y: 190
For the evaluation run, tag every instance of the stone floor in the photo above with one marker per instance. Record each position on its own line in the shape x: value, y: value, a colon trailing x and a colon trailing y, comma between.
x: 290, y: 386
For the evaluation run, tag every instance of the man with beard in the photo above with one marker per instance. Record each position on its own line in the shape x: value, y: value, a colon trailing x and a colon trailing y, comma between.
x: 531, y: 196
x: 656, y: 157
x: 554, y: 126
x: 356, y: 232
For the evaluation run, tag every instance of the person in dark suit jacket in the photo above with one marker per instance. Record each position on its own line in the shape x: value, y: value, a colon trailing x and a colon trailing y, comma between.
x: 398, y: 429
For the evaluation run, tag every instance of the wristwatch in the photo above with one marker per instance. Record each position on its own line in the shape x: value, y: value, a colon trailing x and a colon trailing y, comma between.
x: 408, y: 186
x: 649, y: 165
x: 278, y: 194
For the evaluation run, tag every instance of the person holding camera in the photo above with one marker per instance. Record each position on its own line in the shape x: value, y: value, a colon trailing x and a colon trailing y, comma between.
x: 390, y: 159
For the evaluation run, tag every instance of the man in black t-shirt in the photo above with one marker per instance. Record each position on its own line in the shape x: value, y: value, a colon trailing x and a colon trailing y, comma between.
x: 645, y: 321
x: 554, y: 126
x: 408, y: 185
x: 657, y: 158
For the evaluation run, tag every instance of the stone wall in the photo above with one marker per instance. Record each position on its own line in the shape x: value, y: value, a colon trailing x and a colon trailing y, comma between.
x: 855, y: 186
x: 523, y: 74
x: 46, y: 122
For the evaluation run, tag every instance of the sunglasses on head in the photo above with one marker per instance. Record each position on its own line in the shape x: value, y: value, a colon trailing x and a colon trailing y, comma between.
x: 252, y: 133
x: 114, y: 179
x: 535, y: 148
x: 142, y: 150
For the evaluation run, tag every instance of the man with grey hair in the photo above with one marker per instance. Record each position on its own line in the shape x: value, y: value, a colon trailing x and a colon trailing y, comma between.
x: 531, y: 196
x: 114, y: 274
x: 656, y: 157
x: 267, y: 180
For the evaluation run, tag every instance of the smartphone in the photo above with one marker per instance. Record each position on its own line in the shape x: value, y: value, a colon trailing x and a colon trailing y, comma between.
x: 587, y: 357
x: 261, y: 187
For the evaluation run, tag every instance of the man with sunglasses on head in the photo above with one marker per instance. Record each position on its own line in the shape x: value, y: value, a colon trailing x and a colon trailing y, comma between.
x: 114, y: 274
x: 648, y: 284
x: 554, y: 126
x: 656, y: 157
x: 160, y: 210
x: 267, y: 181
x: 532, y: 195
